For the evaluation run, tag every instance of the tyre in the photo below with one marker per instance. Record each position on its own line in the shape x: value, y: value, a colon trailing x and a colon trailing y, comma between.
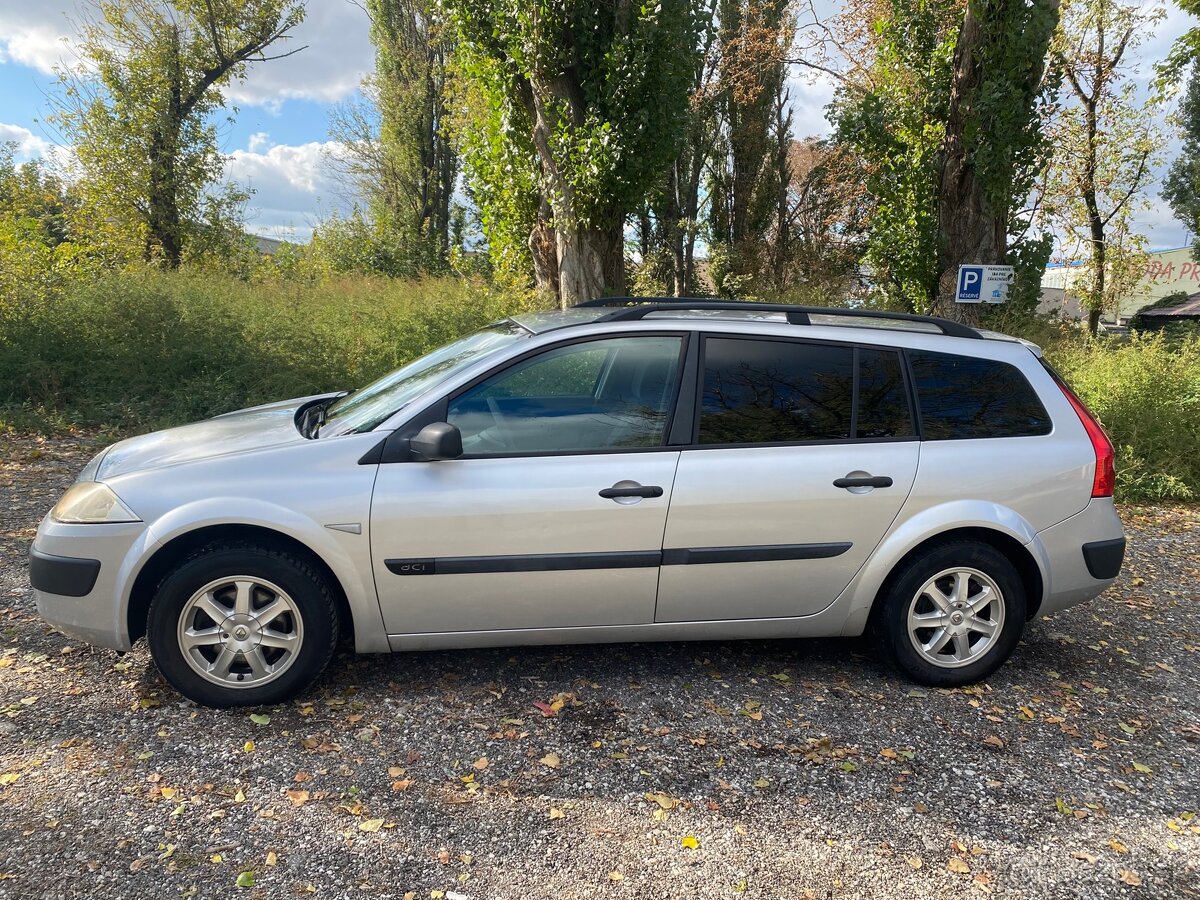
x: 952, y: 615
x: 242, y: 625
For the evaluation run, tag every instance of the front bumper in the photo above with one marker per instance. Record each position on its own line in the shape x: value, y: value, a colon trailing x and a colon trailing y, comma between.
x: 81, y: 576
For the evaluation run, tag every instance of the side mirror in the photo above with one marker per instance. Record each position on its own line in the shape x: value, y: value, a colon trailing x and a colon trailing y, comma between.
x: 437, y: 440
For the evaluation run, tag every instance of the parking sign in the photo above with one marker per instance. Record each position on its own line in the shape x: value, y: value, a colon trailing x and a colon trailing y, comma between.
x: 983, y: 284
x: 970, y: 281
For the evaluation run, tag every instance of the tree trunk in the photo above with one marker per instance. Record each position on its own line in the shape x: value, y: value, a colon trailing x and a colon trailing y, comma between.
x: 163, y: 237
x: 543, y: 249
x: 969, y: 231
x: 591, y: 262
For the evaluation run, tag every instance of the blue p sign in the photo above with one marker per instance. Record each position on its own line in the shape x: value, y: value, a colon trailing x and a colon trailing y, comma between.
x: 970, y: 280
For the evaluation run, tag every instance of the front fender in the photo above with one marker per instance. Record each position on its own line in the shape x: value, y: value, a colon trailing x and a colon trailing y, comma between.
x: 347, y: 555
x: 859, y: 596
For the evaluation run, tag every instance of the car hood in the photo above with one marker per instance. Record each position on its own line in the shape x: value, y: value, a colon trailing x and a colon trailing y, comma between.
x: 269, y: 425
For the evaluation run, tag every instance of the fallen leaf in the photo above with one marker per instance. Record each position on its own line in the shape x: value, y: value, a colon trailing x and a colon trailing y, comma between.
x: 260, y: 718
x: 481, y: 763
x: 10, y: 778
x: 1085, y: 856
x: 245, y: 879
x: 914, y: 861
x: 615, y: 876
x: 690, y: 842
x: 957, y: 865
x: 662, y: 800
x: 550, y: 760
x: 298, y: 798
x: 370, y: 825
x: 395, y: 771
x: 556, y: 813
x: 1129, y: 877
x: 1117, y: 846
x: 993, y: 741
x: 402, y: 785
x: 248, y: 746
x: 545, y: 708
x: 1141, y: 767
x: 272, y: 857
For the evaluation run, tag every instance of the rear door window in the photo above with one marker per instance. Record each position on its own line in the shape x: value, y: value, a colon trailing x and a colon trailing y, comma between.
x: 764, y: 391
x: 962, y: 397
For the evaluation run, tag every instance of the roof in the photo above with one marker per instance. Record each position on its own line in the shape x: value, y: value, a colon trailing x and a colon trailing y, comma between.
x: 630, y: 309
x: 1190, y: 306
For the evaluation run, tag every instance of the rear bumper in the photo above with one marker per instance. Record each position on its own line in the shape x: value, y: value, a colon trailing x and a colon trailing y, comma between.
x: 1103, y: 558
x: 1082, y: 555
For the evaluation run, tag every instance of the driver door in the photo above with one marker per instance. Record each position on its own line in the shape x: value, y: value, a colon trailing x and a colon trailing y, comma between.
x: 554, y: 515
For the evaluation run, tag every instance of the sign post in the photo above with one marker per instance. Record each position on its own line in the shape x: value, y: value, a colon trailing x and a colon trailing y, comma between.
x: 983, y: 284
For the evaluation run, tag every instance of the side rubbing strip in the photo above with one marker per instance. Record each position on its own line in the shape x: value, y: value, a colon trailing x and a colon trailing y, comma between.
x: 702, y: 555
x: 635, y: 559
x: 549, y: 562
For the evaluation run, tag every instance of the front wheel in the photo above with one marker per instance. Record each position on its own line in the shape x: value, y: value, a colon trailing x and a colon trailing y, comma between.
x: 953, y: 615
x: 241, y: 625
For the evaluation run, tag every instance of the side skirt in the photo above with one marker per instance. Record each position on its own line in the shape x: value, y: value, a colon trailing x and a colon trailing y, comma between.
x: 822, y: 624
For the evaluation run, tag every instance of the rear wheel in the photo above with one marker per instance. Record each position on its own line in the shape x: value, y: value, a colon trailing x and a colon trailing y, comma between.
x: 953, y: 615
x: 241, y: 626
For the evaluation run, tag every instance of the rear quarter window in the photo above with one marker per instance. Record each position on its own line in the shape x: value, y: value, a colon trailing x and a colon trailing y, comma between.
x: 963, y: 397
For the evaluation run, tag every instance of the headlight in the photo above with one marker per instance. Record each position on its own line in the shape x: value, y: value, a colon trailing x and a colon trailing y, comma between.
x: 90, y: 502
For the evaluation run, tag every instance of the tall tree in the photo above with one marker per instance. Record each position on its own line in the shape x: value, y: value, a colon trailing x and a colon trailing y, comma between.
x: 1181, y: 187
x: 600, y: 94
x: 1105, y: 142
x: 397, y: 147
x: 891, y: 110
x: 994, y: 147
x: 750, y: 174
x: 670, y: 223
x: 139, y: 110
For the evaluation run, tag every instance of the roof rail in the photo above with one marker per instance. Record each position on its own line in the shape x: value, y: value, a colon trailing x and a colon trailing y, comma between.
x: 796, y: 315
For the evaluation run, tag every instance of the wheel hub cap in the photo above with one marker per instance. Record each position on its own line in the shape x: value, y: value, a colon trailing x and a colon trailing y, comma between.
x: 240, y: 631
x: 956, y: 617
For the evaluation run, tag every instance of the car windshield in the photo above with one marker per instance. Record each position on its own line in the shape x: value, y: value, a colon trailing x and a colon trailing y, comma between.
x: 364, y: 409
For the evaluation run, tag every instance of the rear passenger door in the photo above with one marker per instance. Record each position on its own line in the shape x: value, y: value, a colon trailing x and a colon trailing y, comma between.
x: 802, y: 454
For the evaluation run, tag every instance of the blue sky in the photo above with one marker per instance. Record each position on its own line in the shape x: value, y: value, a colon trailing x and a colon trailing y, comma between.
x: 278, y: 144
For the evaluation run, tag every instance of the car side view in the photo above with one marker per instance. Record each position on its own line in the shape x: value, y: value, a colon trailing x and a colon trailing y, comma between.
x: 626, y: 470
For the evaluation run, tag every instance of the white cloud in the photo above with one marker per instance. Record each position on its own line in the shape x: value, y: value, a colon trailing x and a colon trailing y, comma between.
x: 810, y: 95
x: 28, y: 144
x: 335, y: 33
x: 258, y: 141
x: 291, y: 185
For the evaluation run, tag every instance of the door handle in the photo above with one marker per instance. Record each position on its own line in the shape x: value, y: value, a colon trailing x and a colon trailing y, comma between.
x: 637, y: 490
x: 872, y: 481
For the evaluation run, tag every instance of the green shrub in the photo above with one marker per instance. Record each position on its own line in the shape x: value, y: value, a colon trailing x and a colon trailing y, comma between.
x: 152, y: 349
x: 1146, y: 391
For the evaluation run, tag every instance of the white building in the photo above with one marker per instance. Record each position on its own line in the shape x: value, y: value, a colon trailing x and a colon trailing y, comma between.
x: 1166, y: 272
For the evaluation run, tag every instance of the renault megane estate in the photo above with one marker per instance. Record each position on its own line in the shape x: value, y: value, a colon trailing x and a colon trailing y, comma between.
x: 628, y: 470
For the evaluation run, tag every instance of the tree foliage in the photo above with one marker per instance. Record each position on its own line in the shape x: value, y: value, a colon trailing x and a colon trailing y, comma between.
x: 396, y: 147
x: 140, y: 113
x: 1181, y: 187
x: 1106, y: 143
x: 597, y: 95
x: 891, y: 109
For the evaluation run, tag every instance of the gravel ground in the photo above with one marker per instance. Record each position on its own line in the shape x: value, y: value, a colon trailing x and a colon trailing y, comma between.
x: 759, y: 769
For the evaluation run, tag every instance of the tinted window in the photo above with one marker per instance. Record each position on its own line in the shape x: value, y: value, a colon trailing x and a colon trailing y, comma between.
x: 598, y: 395
x: 882, y: 399
x: 962, y: 397
x: 767, y: 391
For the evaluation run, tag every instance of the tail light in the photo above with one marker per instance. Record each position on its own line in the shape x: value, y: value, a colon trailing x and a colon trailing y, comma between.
x: 1106, y: 474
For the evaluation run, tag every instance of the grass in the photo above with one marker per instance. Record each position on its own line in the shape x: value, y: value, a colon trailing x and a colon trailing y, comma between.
x: 148, y: 350
x: 138, y: 351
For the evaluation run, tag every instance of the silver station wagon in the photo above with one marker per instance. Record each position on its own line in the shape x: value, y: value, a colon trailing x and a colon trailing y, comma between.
x: 628, y: 470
